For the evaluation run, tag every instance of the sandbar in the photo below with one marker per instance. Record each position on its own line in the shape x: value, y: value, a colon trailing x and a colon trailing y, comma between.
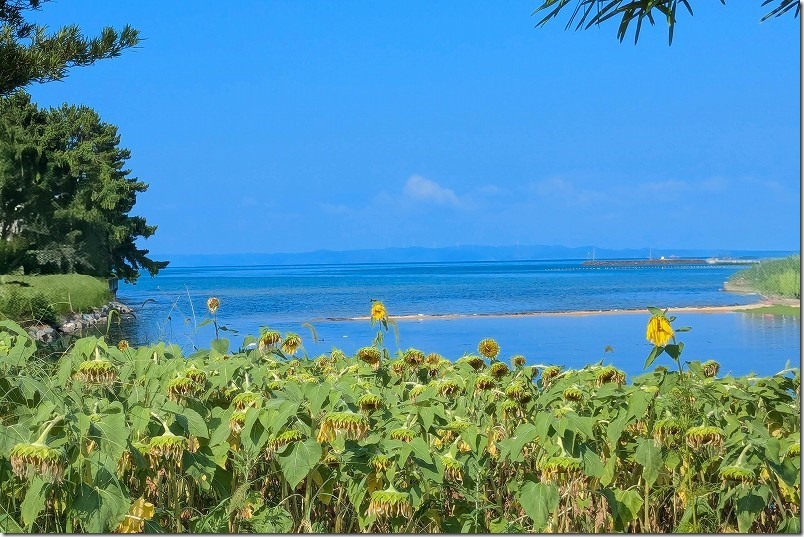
x: 575, y: 313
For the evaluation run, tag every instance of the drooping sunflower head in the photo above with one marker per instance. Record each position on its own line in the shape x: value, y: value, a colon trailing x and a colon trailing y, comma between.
x: 704, y: 435
x: 659, y: 331
x: 518, y: 360
x: 369, y: 402
x: 413, y: 357
x: 246, y: 399
x: 390, y: 503
x: 518, y: 392
x: 509, y: 408
x: 213, y: 304
x: 398, y: 366
x: 196, y: 375
x: 403, y: 433
x: 99, y: 372
x: 236, y: 421
x: 550, y: 373
x: 665, y: 428
x: 499, y: 370
x: 182, y: 387
x: 573, y: 393
x: 637, y: 428
x: 434, y: 358
x: 476, y: 362
x: 448, y: 387
x: 558, y: 467
x: 283, y: 439
x: 370, y: 355
x: 793, y: 451
x: 488, y: 347
x: 351, y: 425
x: 35, y: 459
x: 484, y: 382
x: 292, y: 343
x: 165, y: 449
x: 453, y: 469
x: 269, y: 339
x: 609, y: 374
x: 737, y: 474
x: 380, y: 463
x: 710, y: 368
x: 416, y: 391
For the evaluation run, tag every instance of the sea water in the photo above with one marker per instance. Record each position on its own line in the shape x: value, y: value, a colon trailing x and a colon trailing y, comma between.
x: 449, y: 307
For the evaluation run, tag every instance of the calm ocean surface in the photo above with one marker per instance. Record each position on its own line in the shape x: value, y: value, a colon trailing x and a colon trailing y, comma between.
x: 486, y: 294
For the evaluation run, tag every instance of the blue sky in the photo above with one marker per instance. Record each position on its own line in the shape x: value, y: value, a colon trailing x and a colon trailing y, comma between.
x: 289, y: 126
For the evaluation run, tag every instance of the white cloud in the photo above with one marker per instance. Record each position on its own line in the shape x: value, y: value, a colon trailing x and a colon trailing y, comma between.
x: 422, y: 189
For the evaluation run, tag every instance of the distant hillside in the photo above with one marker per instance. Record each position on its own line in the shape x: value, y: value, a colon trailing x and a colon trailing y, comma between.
x: 448, y: 254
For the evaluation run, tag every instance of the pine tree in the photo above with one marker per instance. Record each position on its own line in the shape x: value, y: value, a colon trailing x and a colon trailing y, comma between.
x: 65, y: 195
x: 29, y: 54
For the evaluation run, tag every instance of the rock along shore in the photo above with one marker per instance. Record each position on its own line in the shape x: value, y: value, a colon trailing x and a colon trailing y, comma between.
x: 77, y: 322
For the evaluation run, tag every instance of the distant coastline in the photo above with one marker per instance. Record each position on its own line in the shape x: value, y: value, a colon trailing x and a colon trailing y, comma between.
x: 453, y: 254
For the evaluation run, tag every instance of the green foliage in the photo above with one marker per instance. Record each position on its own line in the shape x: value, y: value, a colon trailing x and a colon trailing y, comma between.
x: 588, y: 13
x: 43, y: 298
x: 65, y: 196
x: 772, y: 277
x: 251, y: 440
x: 28, y: 54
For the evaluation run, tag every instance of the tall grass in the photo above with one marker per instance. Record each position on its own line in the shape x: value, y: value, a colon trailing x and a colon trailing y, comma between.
x: 43, y: 298
x: 772, y: 277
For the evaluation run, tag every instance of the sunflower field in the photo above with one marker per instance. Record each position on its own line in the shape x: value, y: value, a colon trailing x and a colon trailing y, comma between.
x: 112, y: 438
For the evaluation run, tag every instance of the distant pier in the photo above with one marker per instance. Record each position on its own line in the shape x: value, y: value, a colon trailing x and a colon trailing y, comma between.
x: 669, y: 261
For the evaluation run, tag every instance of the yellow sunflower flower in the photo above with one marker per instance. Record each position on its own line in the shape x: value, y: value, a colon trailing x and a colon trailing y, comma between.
x: 378, y: 312
x: 659, y: 330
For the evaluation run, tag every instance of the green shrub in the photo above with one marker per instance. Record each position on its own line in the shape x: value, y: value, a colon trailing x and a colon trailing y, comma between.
x: 772, y: 277
x: 34, y: 298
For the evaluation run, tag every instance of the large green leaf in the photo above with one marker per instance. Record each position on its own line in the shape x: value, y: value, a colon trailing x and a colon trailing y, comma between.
x: 750, y: 502
x: 625, y: 506
x: 649, y: 455
x: 193, y: 424
x: 511, y: 448
x: 100, y: 508
x: 298, y: 460
x: 34, y: 502
x: 539, y: 500
x: 578, y: 424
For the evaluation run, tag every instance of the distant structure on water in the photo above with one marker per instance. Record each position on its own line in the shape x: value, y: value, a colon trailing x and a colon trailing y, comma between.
x: 667, y: 261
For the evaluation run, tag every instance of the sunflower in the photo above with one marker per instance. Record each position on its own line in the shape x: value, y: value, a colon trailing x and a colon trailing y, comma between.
x: 499, y: 369
x: 738, y: 474
x: 488, y: 348
x: 370, y: 355
x: 96, y: 371
x: 37, y: 459
x: 292, y: 343
x: 212, y: 305
x: 378, y: 313
x: 710, y: 368
x: 659, y: 331
x: 166, y: 448
x: 390, y: 503
x: 704, y: 435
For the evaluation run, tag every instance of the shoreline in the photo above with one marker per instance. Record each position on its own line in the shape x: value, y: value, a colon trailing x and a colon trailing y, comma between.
x: 575, y: 313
